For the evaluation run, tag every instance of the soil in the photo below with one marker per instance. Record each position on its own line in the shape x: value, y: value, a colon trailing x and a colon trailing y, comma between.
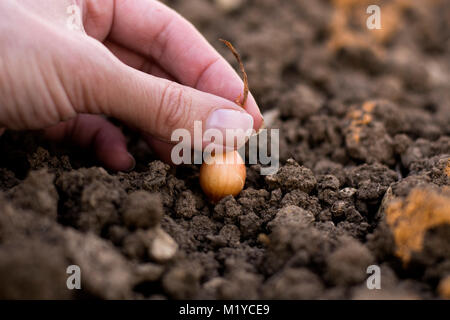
x: 365, y: 178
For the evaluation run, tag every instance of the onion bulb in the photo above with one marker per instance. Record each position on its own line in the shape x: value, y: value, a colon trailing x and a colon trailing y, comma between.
x: 222, y: 175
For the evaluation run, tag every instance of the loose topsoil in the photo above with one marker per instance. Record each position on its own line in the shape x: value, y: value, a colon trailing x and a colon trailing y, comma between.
x: 364, y: 180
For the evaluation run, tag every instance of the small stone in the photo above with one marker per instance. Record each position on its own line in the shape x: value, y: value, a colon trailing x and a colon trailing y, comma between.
x: 347, y: 192
x: 163, y: 247
x: 292, y: 215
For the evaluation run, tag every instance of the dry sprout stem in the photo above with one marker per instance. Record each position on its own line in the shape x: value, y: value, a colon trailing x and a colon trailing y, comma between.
x: 241, y: 66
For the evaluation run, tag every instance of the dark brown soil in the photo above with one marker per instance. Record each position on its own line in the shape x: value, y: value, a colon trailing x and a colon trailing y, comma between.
x: 364, y: 119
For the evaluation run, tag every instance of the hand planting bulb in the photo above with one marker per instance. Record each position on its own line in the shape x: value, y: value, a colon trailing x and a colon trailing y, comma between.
x: 222, y: 174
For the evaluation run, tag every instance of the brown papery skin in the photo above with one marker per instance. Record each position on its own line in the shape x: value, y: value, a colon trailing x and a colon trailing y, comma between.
x: 224, y: 176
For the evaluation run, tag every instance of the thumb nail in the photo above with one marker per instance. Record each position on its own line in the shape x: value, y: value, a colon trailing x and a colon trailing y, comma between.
x: 223, y: 119
x: 238, y: 124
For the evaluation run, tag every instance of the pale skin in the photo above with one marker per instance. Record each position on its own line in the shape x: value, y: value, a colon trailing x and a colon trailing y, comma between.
x: 136, y: 60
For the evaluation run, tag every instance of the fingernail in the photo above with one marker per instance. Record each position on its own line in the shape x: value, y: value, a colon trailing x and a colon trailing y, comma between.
x: 227, y: 119
x: 133, y: 163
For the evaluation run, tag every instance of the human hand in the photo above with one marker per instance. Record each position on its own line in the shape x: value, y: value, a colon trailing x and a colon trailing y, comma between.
x: 137, y: 61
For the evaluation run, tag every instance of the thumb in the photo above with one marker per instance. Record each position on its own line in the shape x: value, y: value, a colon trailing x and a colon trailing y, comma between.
x: 159, y: 106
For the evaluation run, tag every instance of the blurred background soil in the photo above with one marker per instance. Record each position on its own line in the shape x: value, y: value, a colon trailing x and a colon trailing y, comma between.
x: 364, y: 119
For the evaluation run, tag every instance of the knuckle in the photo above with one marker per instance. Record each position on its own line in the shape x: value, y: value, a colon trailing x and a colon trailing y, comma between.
x: 175, y: 106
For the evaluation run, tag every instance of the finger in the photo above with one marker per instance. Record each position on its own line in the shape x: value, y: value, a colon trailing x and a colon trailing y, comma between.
x: 94, y: 131
x: 154, y: 30
x: 154, y: 105
x: 137, y: 61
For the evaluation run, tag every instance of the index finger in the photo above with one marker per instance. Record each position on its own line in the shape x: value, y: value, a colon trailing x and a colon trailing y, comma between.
x: 154, y: 30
